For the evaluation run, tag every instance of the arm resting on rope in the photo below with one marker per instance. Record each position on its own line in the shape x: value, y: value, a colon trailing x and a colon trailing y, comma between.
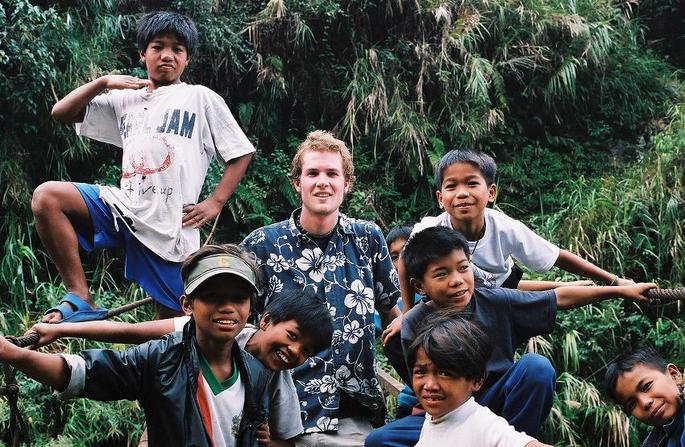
x: 572, y: 297
x: 575, y: 264
x: 48, y: 369
x: 105, y: 331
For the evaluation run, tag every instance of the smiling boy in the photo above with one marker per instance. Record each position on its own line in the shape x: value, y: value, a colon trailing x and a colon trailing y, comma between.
x: 169, y: 132
x: 188, y: 384
x: 438, y: 264
x: 451, y: 354
x: 650, y: 390
x: 294, y: 326
x: 465, y: 186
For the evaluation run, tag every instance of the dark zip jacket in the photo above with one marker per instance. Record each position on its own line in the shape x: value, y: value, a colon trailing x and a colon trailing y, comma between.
x: 162, y: 375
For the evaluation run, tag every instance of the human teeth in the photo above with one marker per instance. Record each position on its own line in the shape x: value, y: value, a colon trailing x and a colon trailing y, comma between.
x: 281, y: 357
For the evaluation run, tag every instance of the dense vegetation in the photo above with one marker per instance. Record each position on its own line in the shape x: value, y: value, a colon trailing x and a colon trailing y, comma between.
x: 584, y: 113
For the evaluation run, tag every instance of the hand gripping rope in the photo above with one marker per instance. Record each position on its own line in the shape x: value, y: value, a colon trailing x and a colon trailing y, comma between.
x: 10, y: 389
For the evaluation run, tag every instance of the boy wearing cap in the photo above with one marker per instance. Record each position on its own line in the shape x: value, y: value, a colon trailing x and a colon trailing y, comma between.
x: 187, y: 381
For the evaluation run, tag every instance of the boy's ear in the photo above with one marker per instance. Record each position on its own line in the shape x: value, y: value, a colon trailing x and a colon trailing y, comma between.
x: 675, y: 373
x: 477, y: 384
x: 438, y: 196
x: 492, y: 193
x: 186, y: 305
x: 265, y: 321
x: 418, y: 285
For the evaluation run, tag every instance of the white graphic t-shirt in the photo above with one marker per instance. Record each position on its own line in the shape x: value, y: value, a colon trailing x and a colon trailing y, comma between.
x: 504, y: 240
x: 168, y: 137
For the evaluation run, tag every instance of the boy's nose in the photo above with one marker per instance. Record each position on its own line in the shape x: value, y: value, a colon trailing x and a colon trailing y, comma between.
x: 295, y: 350
x: 431, y: 384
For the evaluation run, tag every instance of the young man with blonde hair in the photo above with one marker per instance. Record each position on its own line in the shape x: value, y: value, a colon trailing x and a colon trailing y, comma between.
x: 345, y: 262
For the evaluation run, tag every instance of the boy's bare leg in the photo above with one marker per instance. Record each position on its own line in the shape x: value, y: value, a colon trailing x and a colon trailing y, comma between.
x: 57, y: 207
x: 163, y: 312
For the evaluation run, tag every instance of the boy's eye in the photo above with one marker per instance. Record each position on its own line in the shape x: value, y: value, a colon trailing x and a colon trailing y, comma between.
x: 646, y: 386
x: 443, y: 373
x: 292, y: 336
x: 474, y: 183
x: 419, y: 371
x: 463, y: 268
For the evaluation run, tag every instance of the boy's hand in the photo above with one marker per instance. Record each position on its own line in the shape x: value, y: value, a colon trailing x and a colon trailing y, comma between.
x: 47, y: 333
x: 200, y: 214
x: 636, y: 292
x: 393, y: 328
x: 121, y: 82
x: 263, y: 435
x: 624, y: 282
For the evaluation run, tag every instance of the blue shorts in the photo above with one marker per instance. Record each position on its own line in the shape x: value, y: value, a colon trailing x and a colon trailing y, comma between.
x: 161, y: 279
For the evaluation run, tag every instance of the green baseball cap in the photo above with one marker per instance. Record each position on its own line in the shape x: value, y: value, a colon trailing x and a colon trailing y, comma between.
x: 214, y: 265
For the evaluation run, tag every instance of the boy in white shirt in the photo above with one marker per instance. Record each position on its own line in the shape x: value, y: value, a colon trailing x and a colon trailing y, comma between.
x: 451, y: 355
x: 169, y: 132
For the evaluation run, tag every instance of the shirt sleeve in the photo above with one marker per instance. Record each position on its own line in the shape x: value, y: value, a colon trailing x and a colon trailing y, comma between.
x: 225, y: 138
x: 386, y: 281
x: 77, y: 380
x: 179, y: 322
x: 100, y: 121
x: 284, y: 412
x: 531, y: 249
x: 501, y: 434
x: 532, y: 313
x: 114, y: 375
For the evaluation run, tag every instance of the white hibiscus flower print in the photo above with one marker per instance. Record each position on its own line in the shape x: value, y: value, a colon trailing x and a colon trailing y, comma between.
x: 311, y: 261
x: 325, y: 385
x: 277, y: 263
x: 275, y: 286
x: 361, y: 298
x: 344, y: 377
x: 352, y: 332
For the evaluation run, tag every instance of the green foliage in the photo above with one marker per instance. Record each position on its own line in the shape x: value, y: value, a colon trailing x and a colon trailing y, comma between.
x: 568, y: 96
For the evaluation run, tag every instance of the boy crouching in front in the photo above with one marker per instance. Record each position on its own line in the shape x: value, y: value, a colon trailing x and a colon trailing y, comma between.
x: 651, y: 390
x: 187, y: 381
x: 451, y: 353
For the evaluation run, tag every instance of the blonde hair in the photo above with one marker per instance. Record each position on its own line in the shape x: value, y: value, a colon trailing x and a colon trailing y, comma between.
x: 322, y: 141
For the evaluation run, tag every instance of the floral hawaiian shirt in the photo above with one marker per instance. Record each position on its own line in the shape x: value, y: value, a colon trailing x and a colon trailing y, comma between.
x: 354, y: 276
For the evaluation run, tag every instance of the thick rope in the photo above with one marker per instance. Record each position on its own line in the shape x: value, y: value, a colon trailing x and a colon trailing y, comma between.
x: 666, y: 294
x: 10, y: 389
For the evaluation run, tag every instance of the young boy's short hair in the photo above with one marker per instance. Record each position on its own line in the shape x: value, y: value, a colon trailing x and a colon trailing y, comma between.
x: 322, y: 141
x: 158, y: 23
x: 642, y: 355
x: 218, y: 259
x: 485, y: 164
x: 428, y: 245
x: 401, y: 232
x: 454, y: 344
x: 308, y: 311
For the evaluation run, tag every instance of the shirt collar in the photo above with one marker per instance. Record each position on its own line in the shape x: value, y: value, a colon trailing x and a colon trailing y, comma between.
x: 343, y: 227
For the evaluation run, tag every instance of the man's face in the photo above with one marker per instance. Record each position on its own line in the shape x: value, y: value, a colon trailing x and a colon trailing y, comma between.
x: 448, y: 281
x: 282, y: 345
x: 464, y: 193
x: 650, y: 395
x: 220, y: 308
x: 165, y: 58
x: 438, y: 391
x: 322, y: 184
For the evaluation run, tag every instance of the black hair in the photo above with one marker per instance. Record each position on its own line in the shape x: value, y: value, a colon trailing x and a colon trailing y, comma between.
x: 158, y: 23
x: 485, y: 164
x: 428, y: 245
x: 308, y: 310
x: 642, y: 355
x: 401, y: 232
x: 454, y: 344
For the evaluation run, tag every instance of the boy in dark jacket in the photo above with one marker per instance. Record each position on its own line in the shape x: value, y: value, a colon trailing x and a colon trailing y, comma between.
x: 185, y: 382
